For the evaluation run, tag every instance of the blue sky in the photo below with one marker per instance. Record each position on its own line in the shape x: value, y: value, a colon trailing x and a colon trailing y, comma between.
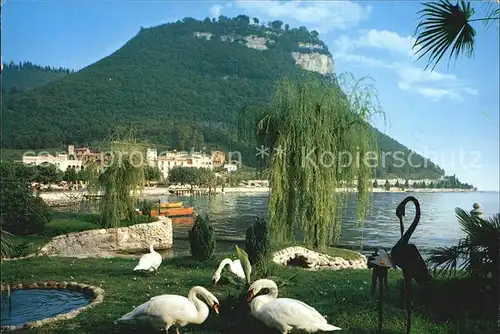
x: 450, y: 115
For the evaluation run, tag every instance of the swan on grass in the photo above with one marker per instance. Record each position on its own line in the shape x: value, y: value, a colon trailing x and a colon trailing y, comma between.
x: 234, y: 266
x: 284, y: 314
x: 165, y: 311
x: 150, y: 261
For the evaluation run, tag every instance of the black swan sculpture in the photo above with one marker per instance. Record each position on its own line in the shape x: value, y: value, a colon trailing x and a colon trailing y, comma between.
x: 407, y: 257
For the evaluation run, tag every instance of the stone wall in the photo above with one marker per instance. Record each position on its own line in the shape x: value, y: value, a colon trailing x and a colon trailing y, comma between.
x: 314, y: 260
x: 107, y: 242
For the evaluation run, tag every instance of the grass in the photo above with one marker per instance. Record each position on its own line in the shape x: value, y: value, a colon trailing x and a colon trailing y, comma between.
x: 343, y: 296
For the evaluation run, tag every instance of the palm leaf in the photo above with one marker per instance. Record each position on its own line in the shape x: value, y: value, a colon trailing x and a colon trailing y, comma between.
x: 8, y: 247
x: 445, y: 259
x: 481, y: 232
x: 492, y: 9
x: 443, y: 25
x: 245, y: 263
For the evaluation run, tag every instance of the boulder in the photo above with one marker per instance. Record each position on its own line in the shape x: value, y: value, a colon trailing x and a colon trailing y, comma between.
x: 309, y: 259
x: 107, y: 242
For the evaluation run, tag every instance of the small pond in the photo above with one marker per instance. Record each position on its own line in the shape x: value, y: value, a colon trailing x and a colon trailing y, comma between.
x: 29, y: 305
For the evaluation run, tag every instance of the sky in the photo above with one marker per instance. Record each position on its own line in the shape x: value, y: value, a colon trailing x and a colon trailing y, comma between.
x: 450, y: 115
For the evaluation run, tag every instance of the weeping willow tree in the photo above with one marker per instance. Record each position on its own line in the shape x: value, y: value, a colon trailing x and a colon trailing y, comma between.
x: 317, y: 133
x: 121, y: 180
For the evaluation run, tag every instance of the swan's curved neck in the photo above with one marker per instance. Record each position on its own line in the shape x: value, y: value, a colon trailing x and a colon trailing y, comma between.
x: 201, y: 307
x: 223, y: 263
x: 258, y: 301
x: 151, y: 249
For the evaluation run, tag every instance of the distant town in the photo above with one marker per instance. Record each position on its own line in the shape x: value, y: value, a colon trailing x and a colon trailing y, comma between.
x: 77, y: 158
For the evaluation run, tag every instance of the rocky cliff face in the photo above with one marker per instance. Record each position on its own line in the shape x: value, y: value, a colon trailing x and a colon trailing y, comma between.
x: 106, y: 242
x: 313, y: 61
x: 316, y: 62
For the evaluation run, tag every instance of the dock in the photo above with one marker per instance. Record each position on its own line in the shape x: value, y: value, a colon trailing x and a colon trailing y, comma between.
x: 183, y: 192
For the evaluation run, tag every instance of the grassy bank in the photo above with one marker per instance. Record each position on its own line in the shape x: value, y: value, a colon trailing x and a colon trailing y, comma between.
x: 343, y: 296
x: 67, y: 222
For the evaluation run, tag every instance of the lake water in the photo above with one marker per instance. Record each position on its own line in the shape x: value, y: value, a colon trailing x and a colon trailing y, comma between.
x: 231, y: 214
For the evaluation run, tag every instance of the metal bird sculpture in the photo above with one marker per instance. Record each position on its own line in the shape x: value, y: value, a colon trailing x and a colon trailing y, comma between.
x: 380, y: 262
x: 407, y: 257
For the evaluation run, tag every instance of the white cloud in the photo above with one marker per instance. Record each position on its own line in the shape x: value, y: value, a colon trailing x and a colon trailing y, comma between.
x: 432, y: 85
x: 379, y: 39
x: 360, y: 59
x: 216, y: 10
x: 325, y: 15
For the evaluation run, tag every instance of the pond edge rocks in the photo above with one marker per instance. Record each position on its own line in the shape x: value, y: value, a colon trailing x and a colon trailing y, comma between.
x: 96, y: 292
x: 314, y: 260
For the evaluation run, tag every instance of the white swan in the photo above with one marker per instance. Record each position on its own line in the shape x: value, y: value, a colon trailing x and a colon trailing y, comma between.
x: 284, y: 314
x: 165, y: 311
x: 150, y: 261
x: 234, y: 266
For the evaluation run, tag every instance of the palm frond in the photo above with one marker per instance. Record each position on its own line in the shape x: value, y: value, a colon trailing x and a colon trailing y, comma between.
x: 492, y: 9
x: 443, y: 25
x: 444, y: 260
x: 481, y: 232
x: 8, y: 247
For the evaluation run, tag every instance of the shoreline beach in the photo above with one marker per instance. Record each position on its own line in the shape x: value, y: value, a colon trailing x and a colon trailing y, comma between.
x: 61, y: 197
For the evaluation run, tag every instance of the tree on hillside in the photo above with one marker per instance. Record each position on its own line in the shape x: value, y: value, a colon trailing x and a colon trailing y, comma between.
x: 317, y: 117
x: 443, y: 25
x: 375, y: 184
x: 387, y: 185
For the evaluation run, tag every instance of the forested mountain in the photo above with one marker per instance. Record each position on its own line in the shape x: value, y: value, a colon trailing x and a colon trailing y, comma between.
x: 24, y: 76
x: 180, y: 84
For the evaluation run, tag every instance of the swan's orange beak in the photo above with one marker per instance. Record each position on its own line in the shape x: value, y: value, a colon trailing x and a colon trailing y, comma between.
x: 216, y: 308
x: 250, y: 295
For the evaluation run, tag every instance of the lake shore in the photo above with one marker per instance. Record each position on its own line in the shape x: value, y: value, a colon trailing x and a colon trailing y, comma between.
x: 61, y: 197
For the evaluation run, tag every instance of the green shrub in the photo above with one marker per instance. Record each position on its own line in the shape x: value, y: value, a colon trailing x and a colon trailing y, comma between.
x: 21, y: 212
x: 258, y: 241
x: 202, y: 239
x: 147, y: 207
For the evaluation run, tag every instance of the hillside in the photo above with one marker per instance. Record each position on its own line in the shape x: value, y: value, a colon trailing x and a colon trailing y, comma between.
x: 180, y: 84
x: 25, y: 76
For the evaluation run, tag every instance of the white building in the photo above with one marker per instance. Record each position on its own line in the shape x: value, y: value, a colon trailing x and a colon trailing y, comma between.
x: 170, y: 159
x: 152, y: 157
x: 60, y: 160
x: 231, y: 167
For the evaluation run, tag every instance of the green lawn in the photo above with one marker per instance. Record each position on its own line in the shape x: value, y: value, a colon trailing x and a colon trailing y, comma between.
x: 343, y: 296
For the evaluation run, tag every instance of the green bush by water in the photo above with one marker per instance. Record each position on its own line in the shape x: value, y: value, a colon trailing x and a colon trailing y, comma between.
x: 202, y: 239
x: 258, y: 241
x: 21, y: 213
